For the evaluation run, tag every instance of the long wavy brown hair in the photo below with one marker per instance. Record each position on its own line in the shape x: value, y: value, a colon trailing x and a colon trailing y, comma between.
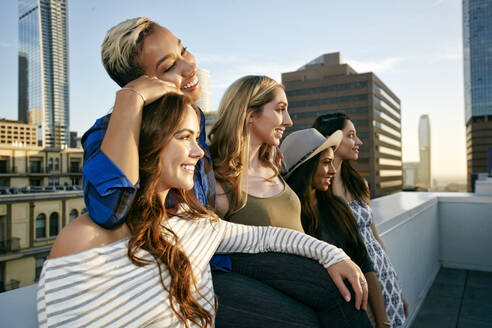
x: 229, y: 137
x: 160, y: 121
x: 329, y: 208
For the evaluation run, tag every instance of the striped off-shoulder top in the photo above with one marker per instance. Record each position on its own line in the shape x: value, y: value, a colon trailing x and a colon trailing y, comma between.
x: 100, y: 287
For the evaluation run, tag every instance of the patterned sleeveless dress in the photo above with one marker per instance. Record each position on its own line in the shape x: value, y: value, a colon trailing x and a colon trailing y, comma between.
x: 382, y: 265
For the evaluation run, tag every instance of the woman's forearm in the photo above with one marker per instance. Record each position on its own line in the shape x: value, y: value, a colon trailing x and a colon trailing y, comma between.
x: 120, y: 143
x: 376, y: 301
x: 376, y: 235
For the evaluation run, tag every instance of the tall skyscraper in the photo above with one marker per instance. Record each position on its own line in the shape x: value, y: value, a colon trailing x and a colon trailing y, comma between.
x: 205, y: 101
x: 477, y: 60
x: 43, y: 69
x: 424, y: 171
x: 326, y: 85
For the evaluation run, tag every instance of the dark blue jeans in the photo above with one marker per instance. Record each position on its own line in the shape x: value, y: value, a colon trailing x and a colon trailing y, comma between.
x: 281, y: 290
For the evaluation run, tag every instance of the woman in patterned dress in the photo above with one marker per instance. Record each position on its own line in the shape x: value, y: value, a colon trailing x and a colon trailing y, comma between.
x: 350, y: 186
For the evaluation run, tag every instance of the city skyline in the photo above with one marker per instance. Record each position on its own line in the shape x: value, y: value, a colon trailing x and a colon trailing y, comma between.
x: 416, y: 48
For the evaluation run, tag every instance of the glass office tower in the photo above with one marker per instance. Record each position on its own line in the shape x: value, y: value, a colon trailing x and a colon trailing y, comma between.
x: 43, y: 69
x: 477, y: 60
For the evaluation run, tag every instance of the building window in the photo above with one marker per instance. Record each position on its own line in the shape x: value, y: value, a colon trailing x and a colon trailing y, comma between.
x: 4, y: 165
x: 3, y: 233
x: 33, y: 182
x: 2, y: 277
x: 390, y: 173
x: 57, y: 164
x: 387, y: 161
x: 73, y: 214
x: 41, y: 226
x: 35, y: 166
x: 389, y: 151
x: 388, y: 184
x: 74, y: 167
x: 50, y: 164
x: 54, y: 224
x: 53, y: 180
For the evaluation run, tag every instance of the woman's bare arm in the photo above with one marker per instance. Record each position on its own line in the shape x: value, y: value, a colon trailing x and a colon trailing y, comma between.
x: 376, y: 301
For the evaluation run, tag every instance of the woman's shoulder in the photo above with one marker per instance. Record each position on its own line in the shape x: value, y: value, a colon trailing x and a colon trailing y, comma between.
x: 83, y: 234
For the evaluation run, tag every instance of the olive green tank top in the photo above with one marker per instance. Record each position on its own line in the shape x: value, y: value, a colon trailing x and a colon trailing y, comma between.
x: 281, y: 210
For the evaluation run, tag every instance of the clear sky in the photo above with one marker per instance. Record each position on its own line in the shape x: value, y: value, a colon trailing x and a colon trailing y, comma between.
x: 414, y: 47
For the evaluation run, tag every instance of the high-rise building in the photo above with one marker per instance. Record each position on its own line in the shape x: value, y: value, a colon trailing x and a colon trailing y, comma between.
x: 327, y: 85
x: 205, y: 101
x: 43, y: 69
x: 424, y: 172
x: 477, y: 60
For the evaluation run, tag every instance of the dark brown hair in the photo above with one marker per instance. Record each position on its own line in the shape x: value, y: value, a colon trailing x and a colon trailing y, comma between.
x: 334, y: 212
x: 160, y: 120
x: 352, y: 180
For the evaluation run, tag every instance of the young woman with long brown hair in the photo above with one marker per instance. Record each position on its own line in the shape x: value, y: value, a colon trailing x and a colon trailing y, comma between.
x: 308, y: 161
x: 352, y: 188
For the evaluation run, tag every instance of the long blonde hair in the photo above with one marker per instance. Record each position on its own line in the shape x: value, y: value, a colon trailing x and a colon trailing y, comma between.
x: 229, y: 137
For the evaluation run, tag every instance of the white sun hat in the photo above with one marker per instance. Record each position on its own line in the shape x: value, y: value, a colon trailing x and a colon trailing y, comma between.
x: 302, y: 145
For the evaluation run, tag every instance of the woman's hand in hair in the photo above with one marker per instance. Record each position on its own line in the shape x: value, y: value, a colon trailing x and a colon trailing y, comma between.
x: 151, y: 88
x: 124, y: 125
x: 348, y: 270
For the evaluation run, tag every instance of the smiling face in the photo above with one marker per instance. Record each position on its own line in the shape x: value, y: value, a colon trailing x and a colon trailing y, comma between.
x: 164, y: 56
x: 269, y: 124
x: 349, y: 147
x: 325, y: 171
x: 179, y: 157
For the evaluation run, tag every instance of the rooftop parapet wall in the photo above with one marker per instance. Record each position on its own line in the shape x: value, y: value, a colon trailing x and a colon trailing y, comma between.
x: 421, y: 232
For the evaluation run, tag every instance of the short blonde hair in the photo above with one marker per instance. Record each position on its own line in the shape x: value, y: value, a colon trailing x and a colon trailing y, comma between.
x: 121, y: 49
x: 229, y: 137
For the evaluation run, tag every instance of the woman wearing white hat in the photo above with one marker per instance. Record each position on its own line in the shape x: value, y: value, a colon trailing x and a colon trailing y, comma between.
x: 308, y: 162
